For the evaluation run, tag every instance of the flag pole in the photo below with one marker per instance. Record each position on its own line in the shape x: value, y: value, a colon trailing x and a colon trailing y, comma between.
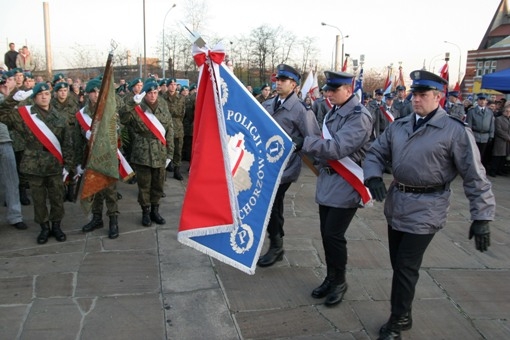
x: 98, y: 114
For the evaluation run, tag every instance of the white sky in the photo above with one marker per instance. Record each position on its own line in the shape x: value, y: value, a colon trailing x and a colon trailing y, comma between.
x: 385, y: 31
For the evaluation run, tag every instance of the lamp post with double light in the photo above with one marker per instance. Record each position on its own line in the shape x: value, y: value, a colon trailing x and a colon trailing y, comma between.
x: 338, y: 65
x: 460, y: 56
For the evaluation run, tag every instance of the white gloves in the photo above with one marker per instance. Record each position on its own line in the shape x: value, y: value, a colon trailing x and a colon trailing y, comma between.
x: 138, y: 97
x: 79, y: 172
x: 168, y: 160
x: 88, y: 134
x: 65, y: 173
x: 22, y: 95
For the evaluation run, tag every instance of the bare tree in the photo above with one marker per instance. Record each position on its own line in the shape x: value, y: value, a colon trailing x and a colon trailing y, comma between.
x: 309, y: 53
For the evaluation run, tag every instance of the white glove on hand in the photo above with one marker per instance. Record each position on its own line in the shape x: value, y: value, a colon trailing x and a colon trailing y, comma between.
x: 65, y: 173
x: 168, y: 160
x: 79, y: 172
x: 138, y: 97
x: 22, y: 95
x: 88, y: 134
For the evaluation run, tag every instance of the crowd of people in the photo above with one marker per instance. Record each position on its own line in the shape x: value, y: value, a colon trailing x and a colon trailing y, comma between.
x: 353, y: 141
x: 44, y: 133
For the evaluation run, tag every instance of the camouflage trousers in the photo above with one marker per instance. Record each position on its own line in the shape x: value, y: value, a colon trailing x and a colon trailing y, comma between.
x: 150, y: 184
x: 108, y: 195
x: 176, y: 160
x: 47, y: 188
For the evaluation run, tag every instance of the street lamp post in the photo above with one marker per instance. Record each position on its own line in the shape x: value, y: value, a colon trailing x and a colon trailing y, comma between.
x: 163, y: 62
x: 338, y: 65
x: 460, y: 56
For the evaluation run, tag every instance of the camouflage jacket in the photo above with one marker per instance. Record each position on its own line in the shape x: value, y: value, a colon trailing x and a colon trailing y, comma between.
x: 147, y: 149
x: 189, y: 114
x: 176, y: 108
x: 18, y: 141
x: 37, y: 160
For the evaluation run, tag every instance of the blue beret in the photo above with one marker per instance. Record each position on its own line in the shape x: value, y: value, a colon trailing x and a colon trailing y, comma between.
x: 39, y: 87
x: 151, y: 85
x: 57, y: 77
x: 336, y: 79
x: 93, y: 85
x: 425, y: 81
x: 61, y: 85
x: 134, y: 82
x: 286, y: 71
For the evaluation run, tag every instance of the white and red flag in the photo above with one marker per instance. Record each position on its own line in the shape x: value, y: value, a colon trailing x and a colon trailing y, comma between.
x: 239, y: 154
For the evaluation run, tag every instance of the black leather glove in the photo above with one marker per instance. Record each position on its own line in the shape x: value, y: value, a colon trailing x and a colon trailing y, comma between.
x: 377, y: 188
x: 298, y: 142
x: 480, y: 230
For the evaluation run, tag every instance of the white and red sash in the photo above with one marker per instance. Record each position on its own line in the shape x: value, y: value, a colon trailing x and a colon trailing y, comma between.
x: 349, y: 170
x: 387, y: 114
x: 152, y: 123
x: 85, y: 122
x: 42, y: 132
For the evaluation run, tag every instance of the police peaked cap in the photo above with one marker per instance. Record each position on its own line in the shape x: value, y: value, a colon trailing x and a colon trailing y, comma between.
x: 425, y: 81
x: 287, y: 72
x: 336, y: 79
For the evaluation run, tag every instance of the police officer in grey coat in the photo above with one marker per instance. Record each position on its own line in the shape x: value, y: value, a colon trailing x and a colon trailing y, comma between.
x: 427, y: 150
x: 297, y: 121
x: 480, y: 119
x: 454, y: 107
x: 347, y: 129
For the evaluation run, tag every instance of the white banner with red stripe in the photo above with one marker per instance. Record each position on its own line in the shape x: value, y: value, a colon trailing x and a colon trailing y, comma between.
x: 85, y: 122
x: 350, y: 171
x: 42, y: 132
x: 387, y: 114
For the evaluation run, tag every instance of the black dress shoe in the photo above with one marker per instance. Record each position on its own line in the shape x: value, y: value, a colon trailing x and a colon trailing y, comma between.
x: 392, y: 329
x: 323, y: 290
x: 20, y: 225
x: 336, y: 295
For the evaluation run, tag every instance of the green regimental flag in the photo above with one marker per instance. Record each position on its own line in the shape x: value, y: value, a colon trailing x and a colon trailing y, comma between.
x: 102, y: 167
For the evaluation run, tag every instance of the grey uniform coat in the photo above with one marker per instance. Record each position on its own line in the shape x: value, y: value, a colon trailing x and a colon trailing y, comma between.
x: 481, y: 124
x: 501, y: 137
x: 350, y: 127
x: 433, y: 155
x: 297, y: 121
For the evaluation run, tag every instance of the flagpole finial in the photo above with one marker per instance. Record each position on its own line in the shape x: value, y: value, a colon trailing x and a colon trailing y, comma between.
x: 113, y: 46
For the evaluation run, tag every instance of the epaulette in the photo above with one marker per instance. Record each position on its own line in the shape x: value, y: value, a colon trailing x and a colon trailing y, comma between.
x: 357, y: 109
x: 458, y: 120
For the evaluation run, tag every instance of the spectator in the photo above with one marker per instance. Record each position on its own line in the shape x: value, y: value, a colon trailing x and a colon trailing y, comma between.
x: 25, y: 61
x: 10, y: 57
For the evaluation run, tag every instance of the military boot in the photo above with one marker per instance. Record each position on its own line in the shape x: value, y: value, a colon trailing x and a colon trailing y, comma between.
x: 326, y: 287
x: 274, y: 253
x: 23, y: 196
x: 155, y: 216
x: 338, y: 288
x: 57, y: 232
x: 95, y: 223
x: 44, y: 234
x: 113, y: 231
x: 146, y: 218
x: 395, y: 325
x: 177, y: 173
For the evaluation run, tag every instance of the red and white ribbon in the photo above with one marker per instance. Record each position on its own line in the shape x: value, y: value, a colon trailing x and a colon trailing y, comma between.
x: 42, y: 132
x: 154, y: 125
x: 387, y: 114
x: 349, y: 170
x: 85, y: 122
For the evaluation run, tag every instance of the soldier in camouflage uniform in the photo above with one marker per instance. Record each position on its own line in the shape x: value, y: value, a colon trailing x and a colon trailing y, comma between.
x: 62, y: 102
x: 151, y: 152
x: 108, y: 194
x: 176, y: 107
x: 187, y: 122
x: 41, y: 166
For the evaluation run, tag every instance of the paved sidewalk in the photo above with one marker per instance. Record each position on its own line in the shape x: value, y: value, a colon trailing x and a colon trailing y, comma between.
x: 146, y: 285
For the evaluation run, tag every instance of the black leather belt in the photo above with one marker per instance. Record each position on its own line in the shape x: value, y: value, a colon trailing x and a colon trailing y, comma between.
x: 329, y: 170
x: 420, y: 190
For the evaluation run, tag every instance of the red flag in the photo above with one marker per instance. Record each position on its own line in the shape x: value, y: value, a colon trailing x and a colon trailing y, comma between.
x: 344, y: 66
x: 444, y: 73
x: 457, y: 88
x: 210, y: 171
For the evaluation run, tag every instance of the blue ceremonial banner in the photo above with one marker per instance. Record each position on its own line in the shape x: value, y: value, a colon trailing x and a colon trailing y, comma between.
x: 255, y: 151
